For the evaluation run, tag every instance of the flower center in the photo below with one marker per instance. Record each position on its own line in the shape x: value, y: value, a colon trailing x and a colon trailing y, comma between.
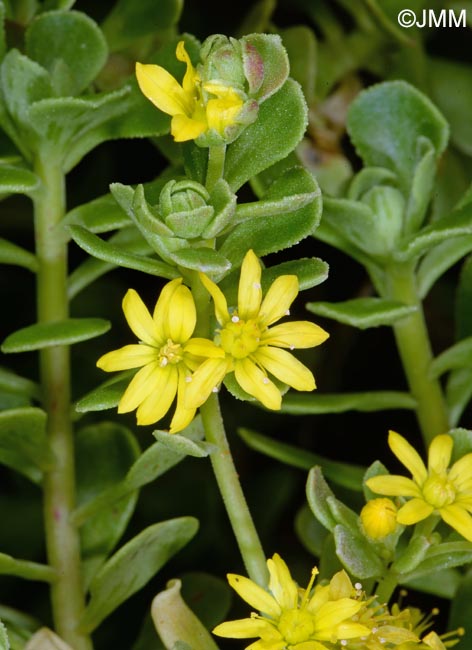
x: 439, y: 491
x: 296, y: 626
x: 170, y: 353
x: 240, y: 338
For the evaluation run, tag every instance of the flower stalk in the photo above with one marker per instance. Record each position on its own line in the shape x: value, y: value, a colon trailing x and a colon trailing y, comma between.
x: 62, y: 537
x: 415, y: 352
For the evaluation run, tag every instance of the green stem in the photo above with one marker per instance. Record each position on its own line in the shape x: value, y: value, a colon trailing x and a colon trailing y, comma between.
x: 231, y: 491
x: 216, y: 165
x: 414, y: 348
x: 62, y: 538
x: 386, y: 587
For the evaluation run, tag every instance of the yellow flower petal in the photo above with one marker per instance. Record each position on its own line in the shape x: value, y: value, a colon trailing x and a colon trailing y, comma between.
x: 191, y: 77
x: 278, y: 299
x: 331, y: 614
x: 414, y: 511
x: 161, y: 311
x: 256, y: 383
x: 182, y: 316
x: 244, y: 628
x: 285, y: 367
x: 461, y: 473
x: 297, y: 334
x: 393, y: 486
x: 440, y: 451
x: 281, y: 584
x: 407, y: 455
x: 459, y: 519
x: 160, y: 398
x: 184, y: 128
x: 311, y: 645
x: 183, y: 415
x: 200, y: 347
x: 207, y: 377
x: 250, y: 290
x: 139, y: 319
x: 221, y: 306
x: 139, y: 388
x: 162, y: 89
x: 257, y: 597
x: 352, y: 630
x: 129, y: 356
x: 222, y: 112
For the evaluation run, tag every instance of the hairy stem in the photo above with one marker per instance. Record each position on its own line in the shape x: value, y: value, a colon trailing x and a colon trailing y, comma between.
x: 231, y: 491
x: 62, y: 538
x: 216, y: 164
x: 415, y: 352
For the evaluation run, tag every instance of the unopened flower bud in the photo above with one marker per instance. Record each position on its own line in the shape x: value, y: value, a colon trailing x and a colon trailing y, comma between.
x: 183, y: 206
x: 379, y: 518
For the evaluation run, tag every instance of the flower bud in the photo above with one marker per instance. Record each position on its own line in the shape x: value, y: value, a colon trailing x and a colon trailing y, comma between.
x: 388, y: 206
x: 183, y: 206
x: 379, y: 518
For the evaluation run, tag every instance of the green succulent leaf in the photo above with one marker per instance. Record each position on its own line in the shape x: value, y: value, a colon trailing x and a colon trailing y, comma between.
x: 444, y: 583
x: 104, y: 454
x: 202, y: 259
x: 4, y: 643
x: 357, y: 554
x: 17, y: 385
x: 439, y: 259
x: 128, y: 21
x: 271, y: 234
x: 175, y: 621
x: 461, y: 607
x: 120, y: 257
x: 70, y: 46
x: 17, y: 180
x: 458, y: 393
x: 414, y: 553
x: 316, y: 403
x: 107, y: 395
x: 25, y: 569
x: 386, y: 123
x: 443, y: 556
x: 23, y: 442
x: 97, y: 216
x: 134, y: 565
x: 310, y: 532
x: 12, y: 254
x: 458, y: 355
x: 363, y: 312
x: 46, y: 335
x: 270, y: 138
x: 344, y: 474
x: 301, y: 45
x: 318, y: 492
x: 183, y: 445
x: 152, y: 463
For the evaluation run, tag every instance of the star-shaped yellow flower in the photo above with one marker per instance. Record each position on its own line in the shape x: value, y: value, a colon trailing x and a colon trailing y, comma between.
x: 195, y: 107
x: 437, y: 488
x: 291, y: 618
x: 166, y: 354
x: 252, y: 348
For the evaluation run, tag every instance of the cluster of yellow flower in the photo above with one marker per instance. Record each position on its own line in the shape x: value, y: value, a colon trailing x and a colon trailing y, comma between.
x: 174, y: 363
x: 336, y: 615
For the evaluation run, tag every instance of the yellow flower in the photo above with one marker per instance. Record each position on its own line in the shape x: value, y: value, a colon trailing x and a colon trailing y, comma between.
x: 438, y: 488
x: 195, y: 107
x: 291, y: 618
x: 166, y: 354
x: 252, y: 348
x: 379, y: 518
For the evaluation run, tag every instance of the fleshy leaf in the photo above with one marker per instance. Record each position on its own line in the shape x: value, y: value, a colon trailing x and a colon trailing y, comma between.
x: 271, y: 234
x: 104, y: 454
x: 458, y: 355
x: 443, y: 556
x: 385, y: 123
x: 128, y: 20
x: 182, y: 445
x: 439, y: 583
x: 113, y: 254
x: 345, y: 474
x: 106, y: 396
x: 11, y: 382
x: 317, y: 492
x: 202, y: 259
x: 4, y: 643
x: 134, y: 565
x: 12, y: 254
x: 45, y: 335
x: 439, y: 259
x: 175, y: 621
x: 23, y: 442
x: 315, y: 403
x: 460, y: 613
x: 152, y: 463
x: 100, y: 215
x: 301, y: 45
x: 362, y: 312
x: 17, y: 180
x: 25, y: 569
x: 357, y: 555
x: 458, y: 393
x: 70, y: 46
x: 270, y: 138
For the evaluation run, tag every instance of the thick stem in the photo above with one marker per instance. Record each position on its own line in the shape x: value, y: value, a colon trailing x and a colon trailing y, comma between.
x: 386, y: 587
x: 415, y: 352
x: 62, y: 538
x: 231, y: 491
x: 216, y: 165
